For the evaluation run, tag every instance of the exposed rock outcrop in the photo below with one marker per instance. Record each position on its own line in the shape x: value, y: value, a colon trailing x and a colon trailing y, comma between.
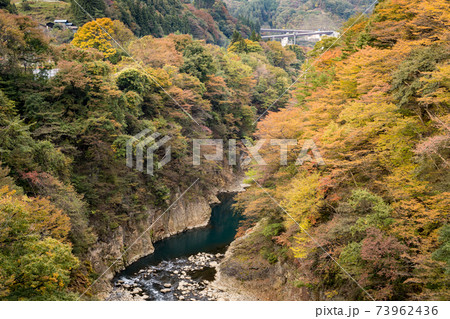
x: 244, y: 274
x: 134, y: 240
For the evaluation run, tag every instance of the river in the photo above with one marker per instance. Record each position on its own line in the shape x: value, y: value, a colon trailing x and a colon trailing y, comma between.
x: 182, y: 265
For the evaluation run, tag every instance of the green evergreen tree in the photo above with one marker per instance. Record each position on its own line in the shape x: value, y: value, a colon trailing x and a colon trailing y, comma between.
x: 8, y: 6
x: 242, y: 46
x: 198, y: 61
x: 95, y: 8
x: 235, y: 37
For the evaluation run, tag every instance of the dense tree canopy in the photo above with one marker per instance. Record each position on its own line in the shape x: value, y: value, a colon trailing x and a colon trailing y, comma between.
x: 36, y: 260
x: 209, y: 21
x: 85, y: 10
x: 67, y: 112
x: 7, y: 5
x: 301, y: 14
x: 376, y: 104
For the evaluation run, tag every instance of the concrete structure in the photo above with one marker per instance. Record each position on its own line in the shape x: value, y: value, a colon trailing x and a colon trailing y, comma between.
x: 289, y: 36
x: 64, y: 24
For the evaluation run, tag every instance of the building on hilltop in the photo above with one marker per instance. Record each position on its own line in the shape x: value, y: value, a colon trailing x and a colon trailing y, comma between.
x: 64, y: 24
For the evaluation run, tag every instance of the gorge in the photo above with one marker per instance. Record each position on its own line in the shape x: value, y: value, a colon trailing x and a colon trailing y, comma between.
x: 188, y: 258
x: 369, y: 221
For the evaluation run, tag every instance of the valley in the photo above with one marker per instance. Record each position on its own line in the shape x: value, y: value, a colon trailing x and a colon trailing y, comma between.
x: 172, y: 150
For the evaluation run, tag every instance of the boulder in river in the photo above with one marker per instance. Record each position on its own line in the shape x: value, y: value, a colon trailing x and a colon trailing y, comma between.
x: 167, y: 285
x: 165, y: 290
x: 136, y: 291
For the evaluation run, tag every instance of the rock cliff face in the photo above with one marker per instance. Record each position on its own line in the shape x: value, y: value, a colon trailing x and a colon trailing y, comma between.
x: 135, y: 239
x: 244, y: 274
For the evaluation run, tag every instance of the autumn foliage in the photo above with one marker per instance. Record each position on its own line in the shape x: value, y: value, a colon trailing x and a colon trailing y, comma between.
x: 66, y: 114
x: 103, y: 34
x: 376, y: 104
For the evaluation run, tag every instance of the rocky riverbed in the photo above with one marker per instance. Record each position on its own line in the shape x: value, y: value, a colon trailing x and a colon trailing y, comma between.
x: 242, y: 273
x: 185, y: 266
x: 185, y: 278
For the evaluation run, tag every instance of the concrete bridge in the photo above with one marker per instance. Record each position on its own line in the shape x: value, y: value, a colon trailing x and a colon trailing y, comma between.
x: 286, y: 34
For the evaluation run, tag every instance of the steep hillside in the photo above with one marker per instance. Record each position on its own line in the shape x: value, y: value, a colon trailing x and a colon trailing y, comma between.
x: 301, y: 14
x: 377, y: 106
x: 44, y: 11
x: 67, y: 114
x: 206, y: 20
x: 370, y: 221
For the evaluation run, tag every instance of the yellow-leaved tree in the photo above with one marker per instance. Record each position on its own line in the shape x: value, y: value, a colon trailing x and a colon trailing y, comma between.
x: 103, y: 34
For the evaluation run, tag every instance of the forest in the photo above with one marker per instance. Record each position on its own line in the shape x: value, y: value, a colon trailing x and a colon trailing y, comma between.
x: 377, y: 106
x: 375, y: 102
x: 299, y: 14
x: 63, y: 180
